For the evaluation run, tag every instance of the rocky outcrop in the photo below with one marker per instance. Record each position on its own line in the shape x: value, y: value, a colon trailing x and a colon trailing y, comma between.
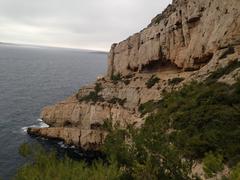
x: 187, y: 34
x: 188, y: 41
x: 86, y: 139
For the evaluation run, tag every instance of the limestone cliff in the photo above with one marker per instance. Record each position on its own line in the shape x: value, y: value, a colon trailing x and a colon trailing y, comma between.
x: 188, y: 41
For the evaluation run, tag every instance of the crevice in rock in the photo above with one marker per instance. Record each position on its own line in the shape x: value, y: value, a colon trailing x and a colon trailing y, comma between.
x: 67, y: 124
x: 96, y: 126
x: 204, y: 59
x: 159, y: 66
x: 193, y: 21
x: 133, y: 69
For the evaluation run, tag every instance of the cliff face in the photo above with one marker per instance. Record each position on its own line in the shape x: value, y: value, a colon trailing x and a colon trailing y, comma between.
x: 188, y: 34
x: 188, y: 41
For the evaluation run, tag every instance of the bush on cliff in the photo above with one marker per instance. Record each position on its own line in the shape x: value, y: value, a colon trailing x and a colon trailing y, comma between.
x: 93, y: 96
x: 116, y: 78
x: 152, y: 81
x: 235, y: 173
x: 175, y: 81
x: 116, y: 100
x: 186, y: 125
x: 212, y: 164
x: 223, y: 71
x: 44, y: 165
x: 147, y: 107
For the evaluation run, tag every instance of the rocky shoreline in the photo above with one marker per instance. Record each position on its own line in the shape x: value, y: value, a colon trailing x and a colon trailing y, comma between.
x: 188, y: 41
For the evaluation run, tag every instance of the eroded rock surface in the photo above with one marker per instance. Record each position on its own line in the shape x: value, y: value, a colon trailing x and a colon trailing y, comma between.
x: 187, y: 34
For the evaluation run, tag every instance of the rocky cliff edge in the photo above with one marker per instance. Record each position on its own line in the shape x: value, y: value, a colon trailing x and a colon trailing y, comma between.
x: 188, y: 41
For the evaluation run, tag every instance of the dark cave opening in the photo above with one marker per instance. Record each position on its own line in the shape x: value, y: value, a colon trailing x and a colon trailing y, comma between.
x: 158, y: 66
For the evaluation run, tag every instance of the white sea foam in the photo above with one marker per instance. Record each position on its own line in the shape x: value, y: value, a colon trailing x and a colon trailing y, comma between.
x: 72, y: 147
x: 40, y: 124
x: 39, y: 120
x: 24, y: 129
x: 43, y: 125
x: 62, y: 145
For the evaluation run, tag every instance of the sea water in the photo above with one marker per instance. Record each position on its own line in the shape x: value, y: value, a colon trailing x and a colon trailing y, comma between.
x: 31, y: 78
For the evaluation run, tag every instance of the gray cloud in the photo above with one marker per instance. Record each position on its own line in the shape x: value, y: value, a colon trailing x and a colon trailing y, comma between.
x: 91, y: 24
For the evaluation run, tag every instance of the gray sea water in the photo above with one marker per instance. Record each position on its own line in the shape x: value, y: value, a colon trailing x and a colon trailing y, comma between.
x: 31, y: 78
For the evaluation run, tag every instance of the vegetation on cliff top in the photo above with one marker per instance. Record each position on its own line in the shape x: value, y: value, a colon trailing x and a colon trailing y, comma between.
x: 93, y: 96
x: 200, y: 122
x: 175, y: 81
x: 152, y: 81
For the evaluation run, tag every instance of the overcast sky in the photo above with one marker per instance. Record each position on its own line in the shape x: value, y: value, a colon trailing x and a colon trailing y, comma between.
x: 88, y: 24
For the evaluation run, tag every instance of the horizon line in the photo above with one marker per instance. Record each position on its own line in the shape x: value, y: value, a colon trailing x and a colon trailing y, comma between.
x: 49, y: 46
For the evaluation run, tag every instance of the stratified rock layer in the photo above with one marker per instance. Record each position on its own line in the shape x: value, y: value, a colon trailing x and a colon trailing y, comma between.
x: 188, y: 41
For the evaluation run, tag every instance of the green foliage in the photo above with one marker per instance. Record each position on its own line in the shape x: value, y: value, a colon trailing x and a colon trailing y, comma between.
x: 223, y: 71
x: 25, y: 150
x: 152, y: 81
x: 98, y: 87
x: 107, y: 125
x: 147, y: 107
x: 94, y: 95
x: 116, y: 78
x: 157, y: 19
x: 116, y: 148
x: 212, y: 164
x: 204, y: 118
x: 200, y: 121
x: 235, y: 173
x: 116, y: 100
x: 175, y: 81
x: 148, y: 156
x: 46, y: 166
x: 185, y: 125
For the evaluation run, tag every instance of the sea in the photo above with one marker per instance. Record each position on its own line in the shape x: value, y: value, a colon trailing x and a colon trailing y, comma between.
x: 32, y: 77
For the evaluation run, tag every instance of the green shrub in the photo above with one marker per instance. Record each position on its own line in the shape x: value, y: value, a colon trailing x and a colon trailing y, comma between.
x: 235, y: 173
x: 223, y: 71
x: 98, y: 87
x: 175, y: 81
x: 94, y: 95
x: 148, y: 107
x: 116, y: 148
x: 116, y: 100
x: 186, y: 124
x: 212, y: 164
x: 205, y: 118
x: 46, y: 166
x: 200, y: 121
x: 116, y: 78
x: 107, y: 125
x: 25, y: 150
x: 149, y: 155
x: 157, y: 19
x: 152, y: 81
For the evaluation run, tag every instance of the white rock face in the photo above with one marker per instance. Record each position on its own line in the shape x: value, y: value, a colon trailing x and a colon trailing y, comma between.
x: 188, y: 34
x: 189, y: 40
